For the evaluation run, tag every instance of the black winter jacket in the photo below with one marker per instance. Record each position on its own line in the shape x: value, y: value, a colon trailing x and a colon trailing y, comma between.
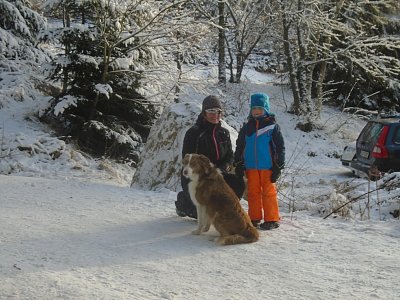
x: 211, y: 140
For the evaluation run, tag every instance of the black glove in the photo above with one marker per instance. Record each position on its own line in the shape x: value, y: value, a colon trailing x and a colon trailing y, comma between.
x: 276, y: 173
x: 224, y: 168
x: 239, y: 169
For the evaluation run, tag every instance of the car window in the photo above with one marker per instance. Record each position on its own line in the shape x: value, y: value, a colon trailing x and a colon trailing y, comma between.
x: 371, y: 132
x: 396, y: 136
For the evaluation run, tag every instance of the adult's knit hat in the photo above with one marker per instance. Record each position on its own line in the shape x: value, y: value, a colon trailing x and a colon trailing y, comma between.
x: 211, y: 101
x: 260, y: 100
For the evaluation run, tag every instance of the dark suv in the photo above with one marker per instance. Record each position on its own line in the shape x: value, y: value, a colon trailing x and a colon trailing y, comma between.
x: 378, y: 147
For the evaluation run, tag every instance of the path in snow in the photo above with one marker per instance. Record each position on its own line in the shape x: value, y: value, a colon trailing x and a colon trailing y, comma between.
x: 84, y: 240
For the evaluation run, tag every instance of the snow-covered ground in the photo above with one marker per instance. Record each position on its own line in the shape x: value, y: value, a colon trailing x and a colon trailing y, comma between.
x: 72, y: 228
x: 69, y: 239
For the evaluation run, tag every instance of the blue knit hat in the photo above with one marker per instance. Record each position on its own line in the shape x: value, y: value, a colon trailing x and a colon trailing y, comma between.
x: 260, y: 100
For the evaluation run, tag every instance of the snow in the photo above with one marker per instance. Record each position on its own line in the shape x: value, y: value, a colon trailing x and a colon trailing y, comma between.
x: 104, y: 89
x: 160, y: 166
x: 71, y: 227
x: 64, y: 103
x: 75, y: 239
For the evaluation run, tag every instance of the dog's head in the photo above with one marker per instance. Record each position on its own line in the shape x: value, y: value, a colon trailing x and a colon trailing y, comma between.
x: 196, y: 165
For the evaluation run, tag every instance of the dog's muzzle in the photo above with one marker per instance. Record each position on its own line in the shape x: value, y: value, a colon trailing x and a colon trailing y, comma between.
x: 185, y: 173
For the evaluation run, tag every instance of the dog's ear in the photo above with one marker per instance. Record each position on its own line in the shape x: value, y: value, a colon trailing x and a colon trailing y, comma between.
x: 206, y: 164
x: 185, y: 159
x: 204, y: 160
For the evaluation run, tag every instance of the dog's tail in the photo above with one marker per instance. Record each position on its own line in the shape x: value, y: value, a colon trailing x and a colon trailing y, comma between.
x: 251, y: 236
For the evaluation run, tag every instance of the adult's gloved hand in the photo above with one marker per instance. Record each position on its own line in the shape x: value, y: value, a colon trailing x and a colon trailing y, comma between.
x: 276, y: 173
x: 224, y: 168
x: 239, y: 169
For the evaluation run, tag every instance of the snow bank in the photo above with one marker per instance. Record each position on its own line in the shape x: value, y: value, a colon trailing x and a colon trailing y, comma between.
x: 160, y: 161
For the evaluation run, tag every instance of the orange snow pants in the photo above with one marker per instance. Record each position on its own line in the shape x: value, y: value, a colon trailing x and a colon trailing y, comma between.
x: 262, y: 196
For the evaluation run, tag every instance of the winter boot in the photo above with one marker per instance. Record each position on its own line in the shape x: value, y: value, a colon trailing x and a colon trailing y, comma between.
x: 192, y: 211
x: 184, y: 206
x: 180, y: 205
x: 269, y: 225
x: 179, y: 212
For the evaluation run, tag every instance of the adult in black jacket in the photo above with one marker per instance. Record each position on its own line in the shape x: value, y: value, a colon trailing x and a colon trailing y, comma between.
x: 209, y: 138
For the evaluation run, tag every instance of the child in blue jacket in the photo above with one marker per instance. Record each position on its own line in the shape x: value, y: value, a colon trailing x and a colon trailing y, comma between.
x: 260, y: 150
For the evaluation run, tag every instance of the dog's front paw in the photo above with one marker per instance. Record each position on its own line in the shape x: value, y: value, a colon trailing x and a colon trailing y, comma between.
x: 219, y: 240
x: 197, y: 231
x: 206, y: 228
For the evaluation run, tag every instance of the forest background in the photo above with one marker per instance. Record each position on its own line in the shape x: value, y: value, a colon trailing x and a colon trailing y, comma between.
x: 93, y: 93
x: 110, y: 67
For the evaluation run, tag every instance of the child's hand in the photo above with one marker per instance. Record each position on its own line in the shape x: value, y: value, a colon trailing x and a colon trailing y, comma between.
x: 276, y: 173
x: 239, y: 169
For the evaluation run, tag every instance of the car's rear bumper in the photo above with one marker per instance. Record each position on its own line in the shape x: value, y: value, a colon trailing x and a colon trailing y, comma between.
x: 347, y: 164
x: 383, y: 165
x: 355, y: 164
x: 365, y: 170
x: 360, y: 169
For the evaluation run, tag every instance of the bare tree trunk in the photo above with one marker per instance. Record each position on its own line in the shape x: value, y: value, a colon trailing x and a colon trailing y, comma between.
x: 83, y: 13
x: 230, y: 63
x: 239, y: 67
x: 304, y: 69
x: 290, y: 62
x: 106, y: 60
x: 239, y: 60
x: 323, y: 65
x: 221, y: 44
x: 319, y: 87
x: 67, y: 50
x: 243, y: 56
x: 179, y: 68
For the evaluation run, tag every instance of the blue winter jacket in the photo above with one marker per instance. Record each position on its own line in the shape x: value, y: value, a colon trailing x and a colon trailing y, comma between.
x: 260, y: 144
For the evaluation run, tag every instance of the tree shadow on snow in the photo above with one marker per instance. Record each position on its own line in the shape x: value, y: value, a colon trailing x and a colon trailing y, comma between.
x: 163, y: 239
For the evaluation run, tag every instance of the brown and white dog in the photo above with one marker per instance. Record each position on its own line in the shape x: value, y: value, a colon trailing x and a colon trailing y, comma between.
x: 216, y: 203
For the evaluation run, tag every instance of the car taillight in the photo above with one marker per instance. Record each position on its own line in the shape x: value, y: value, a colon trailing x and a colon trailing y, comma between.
x: 380, y: 150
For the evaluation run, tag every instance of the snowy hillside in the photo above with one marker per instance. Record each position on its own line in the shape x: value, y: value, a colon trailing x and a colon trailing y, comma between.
x: 72, y: 228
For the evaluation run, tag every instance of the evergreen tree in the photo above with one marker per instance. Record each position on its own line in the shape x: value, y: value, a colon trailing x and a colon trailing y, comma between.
x: 106, y: 54
x: 19, y: 26
x: 20, y: 55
